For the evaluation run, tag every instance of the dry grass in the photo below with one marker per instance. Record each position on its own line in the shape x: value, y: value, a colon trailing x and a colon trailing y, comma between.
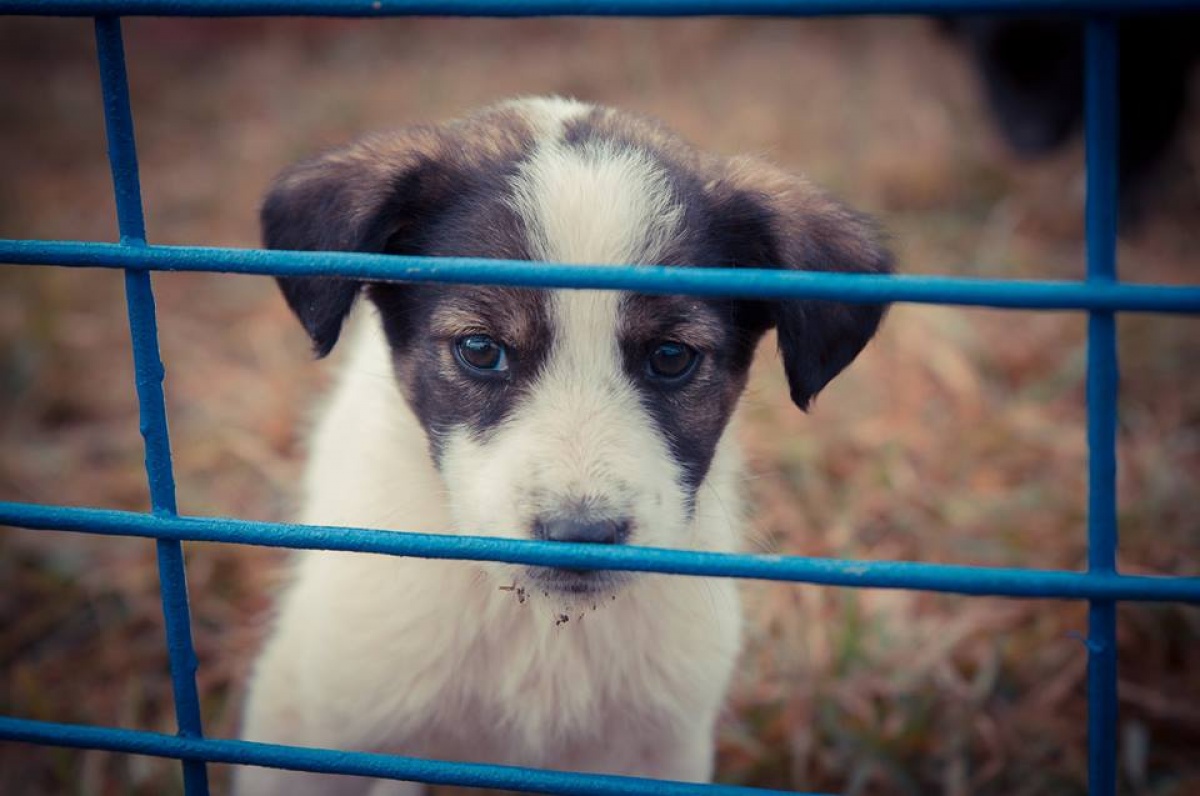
x: 958, y: 437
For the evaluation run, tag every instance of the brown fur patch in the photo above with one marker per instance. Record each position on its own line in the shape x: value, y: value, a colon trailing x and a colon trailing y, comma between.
x: 808, y: 221
x: 641, y: 132
x: 780, y: 220
x: 382, y: 193
x: 422, y: 323
x: 680, y: 318
x: 513, y: 316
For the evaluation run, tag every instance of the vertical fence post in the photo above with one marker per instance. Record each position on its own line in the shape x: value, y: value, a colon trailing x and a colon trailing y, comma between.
x: 148, y: 368
x: 1101, y: 132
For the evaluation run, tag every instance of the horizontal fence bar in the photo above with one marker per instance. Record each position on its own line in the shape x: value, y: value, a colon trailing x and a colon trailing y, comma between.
x: 958, y: 579
x: 367, y: 764
x: 529, y: 8
x: 734, y: 282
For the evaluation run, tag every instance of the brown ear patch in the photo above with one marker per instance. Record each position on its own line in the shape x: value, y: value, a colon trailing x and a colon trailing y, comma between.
x: 354, y: 198
x: 775, y: 219
x: 632, y: 130
x: 812, y: 230
x: 380, y: 193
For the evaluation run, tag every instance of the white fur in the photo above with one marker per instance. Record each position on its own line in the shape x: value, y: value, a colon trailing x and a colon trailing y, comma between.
x: 470, y: 661
x: 596, y: 203
x: 547, y: 115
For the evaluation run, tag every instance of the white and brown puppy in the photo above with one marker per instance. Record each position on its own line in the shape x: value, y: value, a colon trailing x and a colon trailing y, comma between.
x: 581, y: 416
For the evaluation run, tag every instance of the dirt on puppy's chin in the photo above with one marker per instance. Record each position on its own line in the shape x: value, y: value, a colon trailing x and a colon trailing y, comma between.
x: 569, y: 596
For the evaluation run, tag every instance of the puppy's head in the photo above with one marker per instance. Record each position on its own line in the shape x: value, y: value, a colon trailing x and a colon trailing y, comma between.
x: 565, y: 415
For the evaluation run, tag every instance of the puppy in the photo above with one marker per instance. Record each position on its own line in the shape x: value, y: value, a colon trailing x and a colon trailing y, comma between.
x: 563, y: 415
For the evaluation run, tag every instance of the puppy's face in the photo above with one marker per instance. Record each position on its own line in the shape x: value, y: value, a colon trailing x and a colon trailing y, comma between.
x: 579, y: 416
x: 569, y: 416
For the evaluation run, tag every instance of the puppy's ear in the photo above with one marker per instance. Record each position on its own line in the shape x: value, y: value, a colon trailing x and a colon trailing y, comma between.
x: 773, y: 219
x: 375, y: 195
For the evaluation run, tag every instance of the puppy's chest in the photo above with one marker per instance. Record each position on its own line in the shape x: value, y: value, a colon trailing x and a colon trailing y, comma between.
x: 546, y: 677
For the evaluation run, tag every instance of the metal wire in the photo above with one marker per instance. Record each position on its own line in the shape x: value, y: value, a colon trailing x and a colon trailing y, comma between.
x: 1101, y: 137
x: 958, y: 579
x: 733, y: 282
x: 542, y: 8
x: 148, y: 375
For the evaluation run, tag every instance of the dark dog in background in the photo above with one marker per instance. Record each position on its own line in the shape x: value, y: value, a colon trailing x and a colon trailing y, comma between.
x: 1031, y: 71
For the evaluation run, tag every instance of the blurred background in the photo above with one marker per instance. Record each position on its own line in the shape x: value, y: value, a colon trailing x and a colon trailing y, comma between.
x: 957, y: 437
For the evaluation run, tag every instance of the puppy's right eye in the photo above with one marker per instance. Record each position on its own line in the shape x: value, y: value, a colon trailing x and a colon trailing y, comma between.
x: 479, y: 353
x: 671, y: 363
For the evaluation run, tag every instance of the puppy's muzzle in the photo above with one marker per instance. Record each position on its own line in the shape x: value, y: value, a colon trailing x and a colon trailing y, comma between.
x: 584, y: 531
x: 580, y: 530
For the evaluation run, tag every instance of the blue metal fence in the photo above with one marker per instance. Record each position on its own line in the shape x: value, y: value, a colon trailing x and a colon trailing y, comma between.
x: 1101, y: 295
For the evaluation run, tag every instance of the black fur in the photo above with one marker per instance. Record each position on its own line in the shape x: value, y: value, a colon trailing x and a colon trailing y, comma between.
x: 398, y: 194
x: 443, y: 396
x: 335, y: 205
x: 806, y: 231
x: 693, y: 415
x: 1031, y: 71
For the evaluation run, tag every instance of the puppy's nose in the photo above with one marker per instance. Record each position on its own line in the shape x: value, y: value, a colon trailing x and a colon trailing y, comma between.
x: 584, y: 531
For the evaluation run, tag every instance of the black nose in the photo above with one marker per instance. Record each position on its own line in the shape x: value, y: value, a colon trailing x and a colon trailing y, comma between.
x: 585, y: 531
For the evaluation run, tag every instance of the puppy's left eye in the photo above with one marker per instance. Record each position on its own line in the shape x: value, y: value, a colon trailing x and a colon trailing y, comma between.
x: 482, y: 354
x: 671, y: 362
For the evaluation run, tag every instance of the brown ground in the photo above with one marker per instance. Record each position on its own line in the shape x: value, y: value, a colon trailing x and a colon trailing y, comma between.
x: 957, y: 437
